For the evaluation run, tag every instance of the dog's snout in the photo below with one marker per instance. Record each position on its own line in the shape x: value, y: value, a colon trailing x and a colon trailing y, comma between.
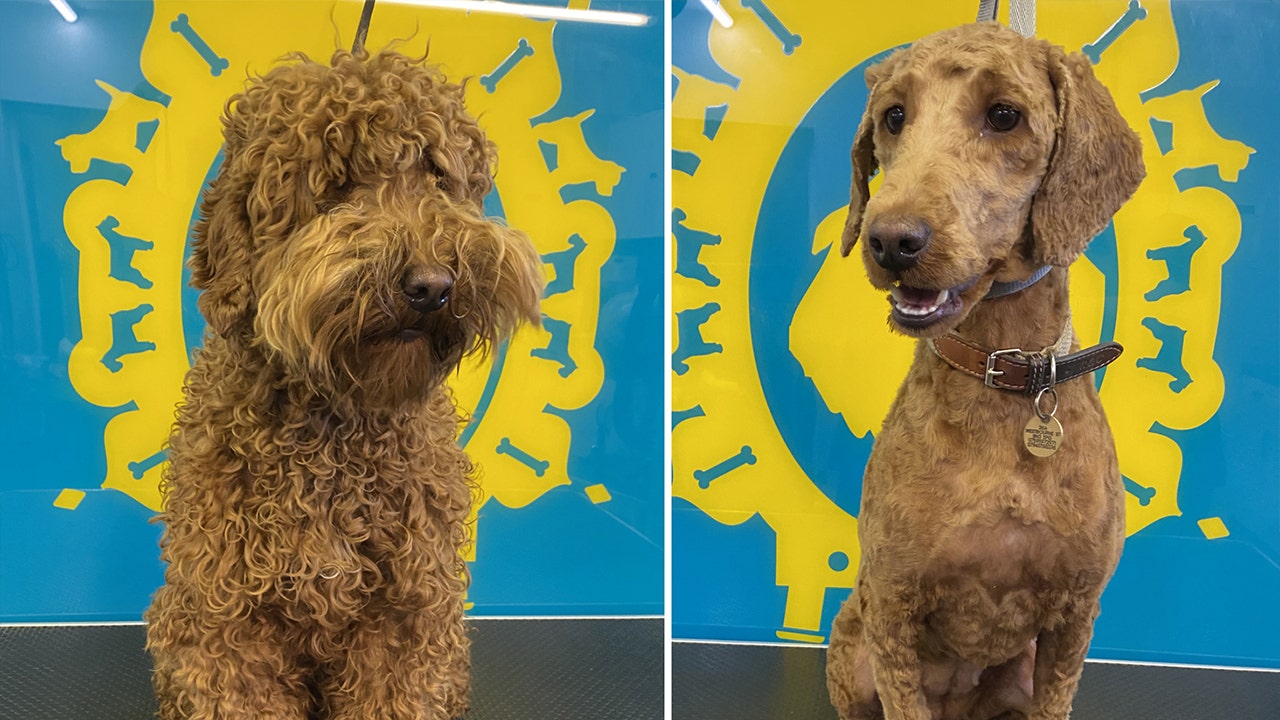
x: 427, y: 290
x: 897, y: 242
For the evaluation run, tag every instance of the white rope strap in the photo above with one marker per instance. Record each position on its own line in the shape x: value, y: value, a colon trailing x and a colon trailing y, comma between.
x: 1022, y: 14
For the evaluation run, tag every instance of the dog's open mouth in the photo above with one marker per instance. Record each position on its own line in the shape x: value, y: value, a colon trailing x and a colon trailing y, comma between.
x: 919, y: 307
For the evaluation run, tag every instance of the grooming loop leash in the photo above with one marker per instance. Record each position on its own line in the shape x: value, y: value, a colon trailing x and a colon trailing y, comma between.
x: 1022, y: 14
x: 362, y: 30
x: 1015, y: 369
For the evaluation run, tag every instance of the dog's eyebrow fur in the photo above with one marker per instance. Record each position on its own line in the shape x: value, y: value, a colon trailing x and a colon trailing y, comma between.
x: 897, y: 89
x: 999, y: 83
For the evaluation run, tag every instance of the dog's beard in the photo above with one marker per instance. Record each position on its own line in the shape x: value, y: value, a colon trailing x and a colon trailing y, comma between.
x: 406, y: 367
x: 372, y: 348
x: 378, y: 348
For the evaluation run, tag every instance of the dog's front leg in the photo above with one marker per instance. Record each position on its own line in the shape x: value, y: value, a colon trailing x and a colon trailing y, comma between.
x: 850, y: 682
x: 413, y: 667
x: 236, y: 671
x: 892, y: 635
x: 1059, y: 661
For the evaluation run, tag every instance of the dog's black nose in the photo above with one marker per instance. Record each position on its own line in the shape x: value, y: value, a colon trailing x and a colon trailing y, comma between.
x: 898, y: 241
x: 427, y: 290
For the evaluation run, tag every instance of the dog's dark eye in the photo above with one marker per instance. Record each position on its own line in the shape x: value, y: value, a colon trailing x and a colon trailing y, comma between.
x: 894, y: 118
x: 1002, y: 118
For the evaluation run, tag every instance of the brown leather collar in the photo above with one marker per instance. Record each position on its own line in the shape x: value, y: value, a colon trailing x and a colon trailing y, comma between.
x: 1019, y: 370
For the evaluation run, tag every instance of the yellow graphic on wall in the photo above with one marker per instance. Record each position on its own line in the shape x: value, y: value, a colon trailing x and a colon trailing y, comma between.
x: 776, y: 62
x: 131, y: 234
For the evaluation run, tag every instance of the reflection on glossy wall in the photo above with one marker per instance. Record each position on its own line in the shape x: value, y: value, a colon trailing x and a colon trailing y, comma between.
x: 110, y: 130
x: 783, y: 366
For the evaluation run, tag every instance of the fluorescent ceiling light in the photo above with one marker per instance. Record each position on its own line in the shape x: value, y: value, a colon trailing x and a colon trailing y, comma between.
x: 64, y: 10
x: 717, y: 12
x: 541, y: 12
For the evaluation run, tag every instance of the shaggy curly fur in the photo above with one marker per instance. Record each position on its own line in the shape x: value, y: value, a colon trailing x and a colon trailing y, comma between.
x: 316, y: 497
x: 981, y: 565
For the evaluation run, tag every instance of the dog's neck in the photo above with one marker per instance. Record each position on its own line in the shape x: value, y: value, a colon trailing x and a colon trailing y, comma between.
x: 1032, y: 318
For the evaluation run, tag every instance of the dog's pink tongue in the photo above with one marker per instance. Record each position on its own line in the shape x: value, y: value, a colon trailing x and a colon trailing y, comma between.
x: 917, y: 296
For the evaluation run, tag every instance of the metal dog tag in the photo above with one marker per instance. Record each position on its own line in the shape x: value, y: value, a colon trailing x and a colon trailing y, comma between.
x: 1043, y: 437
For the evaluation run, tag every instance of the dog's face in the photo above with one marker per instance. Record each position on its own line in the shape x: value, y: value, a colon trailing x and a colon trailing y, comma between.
x: 1000, y: 154
x: 344, y: 234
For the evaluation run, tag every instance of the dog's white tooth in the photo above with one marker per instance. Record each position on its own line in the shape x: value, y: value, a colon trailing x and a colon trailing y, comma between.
x: 943, y: 296
x: 917, y: 310
x: 896, y: 292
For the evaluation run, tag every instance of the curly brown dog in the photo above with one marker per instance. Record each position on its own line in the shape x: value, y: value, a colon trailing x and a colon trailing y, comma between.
x: 983, y: 562
x: 316, y: 498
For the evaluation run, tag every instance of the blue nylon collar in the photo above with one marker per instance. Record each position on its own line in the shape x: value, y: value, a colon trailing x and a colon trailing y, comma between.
x: 1000, y: 289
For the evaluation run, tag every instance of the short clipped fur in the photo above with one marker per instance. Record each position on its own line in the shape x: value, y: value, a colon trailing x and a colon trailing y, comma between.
x: 316, y: 497
x: 982, y: 565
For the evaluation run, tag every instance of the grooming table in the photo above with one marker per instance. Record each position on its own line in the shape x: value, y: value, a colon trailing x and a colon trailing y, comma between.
x: 764, y: 682
x: 556, y: 669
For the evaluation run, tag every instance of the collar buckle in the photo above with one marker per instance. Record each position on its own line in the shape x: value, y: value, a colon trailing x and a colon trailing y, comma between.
x: 992, y: 373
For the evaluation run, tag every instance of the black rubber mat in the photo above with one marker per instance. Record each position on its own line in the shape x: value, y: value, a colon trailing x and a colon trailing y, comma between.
x: 554, y: 669
x: 74, y: 672
x: 740, y: 682
x: 521, y: 670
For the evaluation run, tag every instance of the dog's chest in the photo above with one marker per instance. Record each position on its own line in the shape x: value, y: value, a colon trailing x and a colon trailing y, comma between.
x: 991, y: 587
x: 335, y: 537
x: 1000, y: 556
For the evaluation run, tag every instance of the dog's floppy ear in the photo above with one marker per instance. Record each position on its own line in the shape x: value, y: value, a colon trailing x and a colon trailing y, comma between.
x: 278, y: 158
x: 246, y: 199
x: 1095, y: 165
x: 864, y: 166
x: 864, y: 156
x: 220, y: 253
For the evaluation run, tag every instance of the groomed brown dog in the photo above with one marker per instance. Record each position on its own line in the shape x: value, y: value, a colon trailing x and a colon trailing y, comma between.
x: 316, y: 497
x: 984, y: 552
